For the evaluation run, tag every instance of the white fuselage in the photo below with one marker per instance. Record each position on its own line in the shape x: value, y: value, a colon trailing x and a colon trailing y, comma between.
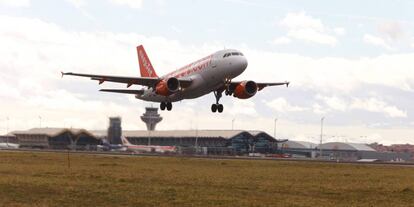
x: 207, y: 74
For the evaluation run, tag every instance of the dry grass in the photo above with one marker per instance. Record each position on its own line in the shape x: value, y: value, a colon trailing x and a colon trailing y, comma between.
x: 43, y: 179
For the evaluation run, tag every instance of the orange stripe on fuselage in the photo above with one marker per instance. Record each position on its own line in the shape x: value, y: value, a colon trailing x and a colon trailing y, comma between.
x: 191, y: 68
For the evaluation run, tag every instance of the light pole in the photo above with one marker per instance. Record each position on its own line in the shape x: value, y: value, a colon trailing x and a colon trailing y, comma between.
x: 7, y: 131
x: 274, y: 132
x: 320, y: 144
x: 40, y: 122
x: 196, y: 132
x: 232, y: 123
x: 7, y: 125
x: 149, y: 137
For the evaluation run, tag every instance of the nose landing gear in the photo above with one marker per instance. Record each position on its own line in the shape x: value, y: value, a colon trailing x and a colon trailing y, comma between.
x: 227, y: 85
x: 217, y: 107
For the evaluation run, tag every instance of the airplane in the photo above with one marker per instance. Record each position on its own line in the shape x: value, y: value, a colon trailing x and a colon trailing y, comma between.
x: 9, y: 146
x: 213, y: 73
x: 151, y: 148
x: 126, y: 146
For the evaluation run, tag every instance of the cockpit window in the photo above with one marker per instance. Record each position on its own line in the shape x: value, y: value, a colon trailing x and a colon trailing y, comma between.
x: 233, y: 53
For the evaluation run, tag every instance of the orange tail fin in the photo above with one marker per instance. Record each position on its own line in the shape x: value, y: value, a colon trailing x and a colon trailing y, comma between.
x: 145, y: 65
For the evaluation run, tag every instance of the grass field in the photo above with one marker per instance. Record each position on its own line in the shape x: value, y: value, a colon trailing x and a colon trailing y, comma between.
x: 44, y: 179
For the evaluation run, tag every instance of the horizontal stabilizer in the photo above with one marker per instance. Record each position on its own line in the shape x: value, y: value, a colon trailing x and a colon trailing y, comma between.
x: 126, y: 91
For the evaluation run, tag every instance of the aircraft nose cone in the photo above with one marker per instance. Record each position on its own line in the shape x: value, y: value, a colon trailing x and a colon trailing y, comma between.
x: 244, y: 63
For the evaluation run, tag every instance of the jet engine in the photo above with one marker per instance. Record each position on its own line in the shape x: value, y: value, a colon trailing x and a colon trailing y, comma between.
x: 167, y: 87
x: 245, y: 90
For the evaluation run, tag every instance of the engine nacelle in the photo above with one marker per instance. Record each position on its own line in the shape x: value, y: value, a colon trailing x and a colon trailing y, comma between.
x: 167, y: 87
x: 245, y: 90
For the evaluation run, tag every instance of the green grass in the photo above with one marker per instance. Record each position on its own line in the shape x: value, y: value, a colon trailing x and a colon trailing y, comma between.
x: 43, y: 179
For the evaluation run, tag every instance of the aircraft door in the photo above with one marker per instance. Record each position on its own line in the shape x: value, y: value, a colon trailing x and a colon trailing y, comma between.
x: 214, y: 62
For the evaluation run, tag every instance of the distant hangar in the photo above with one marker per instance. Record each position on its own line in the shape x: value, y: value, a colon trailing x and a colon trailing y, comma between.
x: 341, y: 151
x: 56, y: 138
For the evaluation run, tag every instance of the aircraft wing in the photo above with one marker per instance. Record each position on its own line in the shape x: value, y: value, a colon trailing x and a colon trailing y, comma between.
x: 143, y: 81
x: 260, y: 86
x: 263, y: 85
x: 135, y: 92
x: 150, y: 82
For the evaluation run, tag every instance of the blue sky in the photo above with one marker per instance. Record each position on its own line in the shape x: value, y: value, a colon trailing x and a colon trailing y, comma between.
x: 350, y: 61
x: 228, y: 22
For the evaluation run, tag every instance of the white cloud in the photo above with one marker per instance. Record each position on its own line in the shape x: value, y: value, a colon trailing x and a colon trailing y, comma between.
x: 339, y: 30
x: 15, y: 3
x: 243, y: 107
x: 376, y: 41
x: 334, y: 102
x: 281, y: 105
x: 314, y: 36
x: 77, y: 3
x: 318, y: 109
x: 393, y: 30
x: 281, y: 41
x: 375, y: 105
x: 134, y: 4
x: 368, y: 104
x: 36, y: 51
x: 333, y: 75
x: 306, y: 28
x: 301, y: 20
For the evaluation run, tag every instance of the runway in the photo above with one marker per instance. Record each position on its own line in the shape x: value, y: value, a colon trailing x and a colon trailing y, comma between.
x: 217, y: 157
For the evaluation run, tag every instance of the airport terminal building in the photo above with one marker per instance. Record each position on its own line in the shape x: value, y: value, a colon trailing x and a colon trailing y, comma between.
x: 341, y: 151
x: 56, y: 138
x: 213, y: 141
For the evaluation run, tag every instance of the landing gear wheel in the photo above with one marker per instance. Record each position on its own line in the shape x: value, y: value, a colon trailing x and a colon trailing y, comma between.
x: 162, y: 106
x: 169, y: 106
x: 217, y: 107
x: 214, y: 108
x: 220, y: 108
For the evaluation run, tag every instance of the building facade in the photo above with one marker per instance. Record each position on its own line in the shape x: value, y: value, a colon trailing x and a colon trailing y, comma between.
x: 214, y: 141
x: 57, y: 138
x: 342, y: 151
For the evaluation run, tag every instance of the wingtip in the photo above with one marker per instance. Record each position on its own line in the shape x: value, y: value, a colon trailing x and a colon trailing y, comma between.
x: 65, y: 73
x: 287, y: 84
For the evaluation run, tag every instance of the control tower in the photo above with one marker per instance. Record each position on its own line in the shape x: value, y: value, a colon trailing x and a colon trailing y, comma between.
x: 115, y: 130
x: 151, y: 117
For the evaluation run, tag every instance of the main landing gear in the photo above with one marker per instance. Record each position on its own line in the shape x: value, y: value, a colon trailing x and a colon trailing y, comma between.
x: 166, y: 105
x: 217, y: 107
